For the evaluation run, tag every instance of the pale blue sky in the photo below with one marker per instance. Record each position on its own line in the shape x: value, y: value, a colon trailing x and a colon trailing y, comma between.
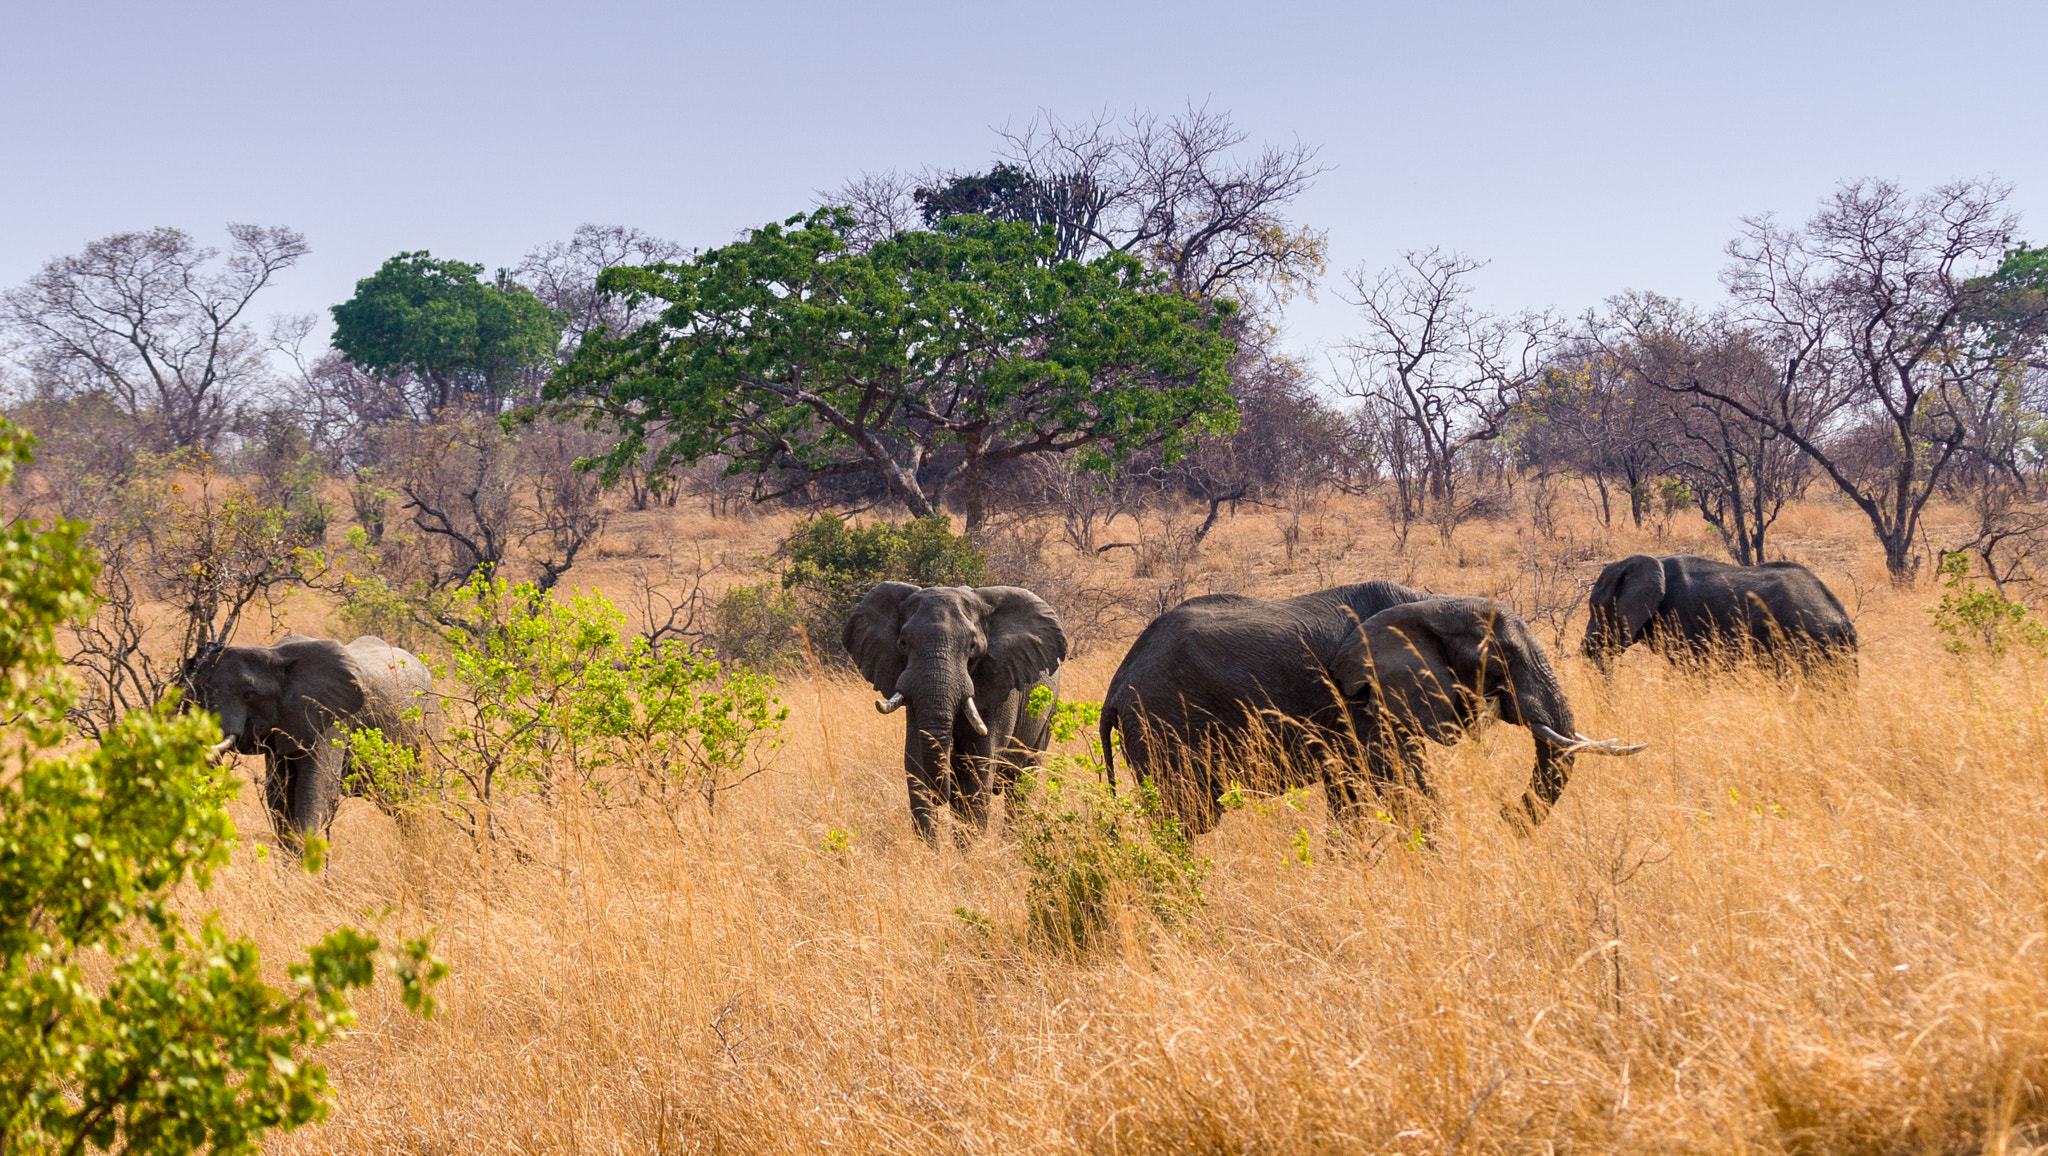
x: 1582, y: 148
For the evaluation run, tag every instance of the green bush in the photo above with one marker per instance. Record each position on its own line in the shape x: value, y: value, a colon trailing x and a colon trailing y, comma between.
x: 547, y: 694
x: 759, y: 627
x: 371, y: 605
x: 1983, y: 620
x: 833, y: 565
x: 1090, y: 850
x: 122, y: 1029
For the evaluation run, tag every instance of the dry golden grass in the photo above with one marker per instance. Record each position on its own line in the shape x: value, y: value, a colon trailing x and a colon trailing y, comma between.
x: 1795, y: 923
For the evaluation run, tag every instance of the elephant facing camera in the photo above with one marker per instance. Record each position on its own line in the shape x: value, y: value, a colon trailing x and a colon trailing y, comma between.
x: 961, y: 663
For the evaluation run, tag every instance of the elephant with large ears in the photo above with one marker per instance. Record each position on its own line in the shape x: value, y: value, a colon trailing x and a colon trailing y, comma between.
x: 1427, y: 671
x: 293, y: 703
x: 1689, y: 608
x: 1324, y: 686
x: 964, y: 661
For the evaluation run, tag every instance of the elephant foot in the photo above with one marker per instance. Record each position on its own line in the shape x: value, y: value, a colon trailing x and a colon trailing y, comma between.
x: 1528, y: 816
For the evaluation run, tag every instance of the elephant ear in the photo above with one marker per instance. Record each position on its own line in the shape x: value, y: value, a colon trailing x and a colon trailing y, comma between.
x: 319, y: 678
x: 1461, y: 638
x: 1025, y: 639
x: 871, y: 634
x: 1635, y: 595
x: 1352, y: 669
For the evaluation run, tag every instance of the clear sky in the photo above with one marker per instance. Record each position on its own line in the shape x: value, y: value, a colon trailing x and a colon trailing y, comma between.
x: 1581, y: 148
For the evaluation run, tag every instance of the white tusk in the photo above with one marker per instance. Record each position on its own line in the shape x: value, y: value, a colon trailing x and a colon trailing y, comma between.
x: 215, y: 752
x: 887, y: 705
x: 1579, y: 742
x: 974, y: 716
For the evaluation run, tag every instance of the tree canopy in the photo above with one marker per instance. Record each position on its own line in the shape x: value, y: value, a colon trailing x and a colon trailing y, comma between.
x: 925, y: 362
x: 467, y: 337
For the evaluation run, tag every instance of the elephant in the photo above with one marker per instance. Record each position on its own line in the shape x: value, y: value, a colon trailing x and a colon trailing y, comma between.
x: 1688, y: 608
x: 965, y: 660
x: 1358, y: 676
x: 291, y: 701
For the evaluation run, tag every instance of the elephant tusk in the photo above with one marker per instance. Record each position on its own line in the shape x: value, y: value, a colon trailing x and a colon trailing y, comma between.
x: 217, y: 751
x: 974, y: 716
x: 888, y: 705
x: 1579, y: 742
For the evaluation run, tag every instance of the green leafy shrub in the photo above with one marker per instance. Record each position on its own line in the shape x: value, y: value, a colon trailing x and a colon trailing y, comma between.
x: 832, y: 566
x: 122, y: 1029
x: 1090, y: 850
x: 1982, y: 620
x: 548, y: 694
x: 760, y: 627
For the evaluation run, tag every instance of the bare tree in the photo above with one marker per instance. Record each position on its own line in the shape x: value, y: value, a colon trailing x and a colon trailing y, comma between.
x: 1740, y: 473
x: 1589, y: 415
x: 884, y: 204
x: 1447, y: 374
x: 1867, y: 310
x: 154, y: 321
x: 564, y: 275
x: 1181, y: 192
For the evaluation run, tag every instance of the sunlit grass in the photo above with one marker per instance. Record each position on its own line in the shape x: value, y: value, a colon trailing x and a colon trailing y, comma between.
x: 1800, y: 921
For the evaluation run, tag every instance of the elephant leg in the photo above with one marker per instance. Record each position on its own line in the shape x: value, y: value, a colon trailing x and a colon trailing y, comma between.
x: 316, y: 787
x: 1394, y: 763
x: 277, y: 793
x: 928, y: 773
x: 1341, y: 791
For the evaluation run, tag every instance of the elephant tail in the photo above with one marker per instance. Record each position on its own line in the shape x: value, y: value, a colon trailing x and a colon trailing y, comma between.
x: 1108, y: 746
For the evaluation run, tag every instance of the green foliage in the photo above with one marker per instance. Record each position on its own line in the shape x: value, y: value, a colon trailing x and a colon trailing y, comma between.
x: 548, y: 693
x: 789, y: 352
x: 370, y: 604
x: 120, y: 1027
x: 828, y: 557
x: 1070, y: 720
x: 760, y: 626
x: 438, y: 320
x: 838, y: 841
x: 832, y: 565
x: 1982, y: 620
x: 1090, y: 850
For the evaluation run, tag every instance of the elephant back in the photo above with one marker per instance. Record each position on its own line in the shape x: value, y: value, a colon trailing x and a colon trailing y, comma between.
x: 394, y: 681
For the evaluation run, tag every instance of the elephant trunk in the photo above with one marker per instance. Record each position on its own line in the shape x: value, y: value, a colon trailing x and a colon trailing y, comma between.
x: 234, y: 727
x: 938, y: 699
x: 1541, y: 703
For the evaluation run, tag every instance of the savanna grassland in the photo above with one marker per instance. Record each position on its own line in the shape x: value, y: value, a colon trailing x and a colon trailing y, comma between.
x: 1795, y: 923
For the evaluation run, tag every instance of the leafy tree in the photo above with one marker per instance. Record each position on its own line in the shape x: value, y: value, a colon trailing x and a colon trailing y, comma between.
x: 466, y: 338
x: 548, y: 694
x: 926, y: 362
x: 121, y: 1028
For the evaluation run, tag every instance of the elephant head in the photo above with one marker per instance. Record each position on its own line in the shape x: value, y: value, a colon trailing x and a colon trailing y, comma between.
x: 275, y: 698
x: 1428, y: 669
x: 1626, y: 596
x: 939, y: 649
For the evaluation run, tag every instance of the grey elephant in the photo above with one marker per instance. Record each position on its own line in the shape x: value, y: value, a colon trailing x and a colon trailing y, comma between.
x: 964, y: 660
x: 1341, y: 681
x: 1687, y: 607
x: 293, y: 701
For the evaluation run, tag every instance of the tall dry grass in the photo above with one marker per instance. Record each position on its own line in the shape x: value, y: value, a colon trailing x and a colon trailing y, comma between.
x: 1796, y: 923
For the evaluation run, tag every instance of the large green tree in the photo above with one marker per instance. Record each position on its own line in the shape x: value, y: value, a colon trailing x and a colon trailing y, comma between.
x: 466, y: 338
x: 927, y: 361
